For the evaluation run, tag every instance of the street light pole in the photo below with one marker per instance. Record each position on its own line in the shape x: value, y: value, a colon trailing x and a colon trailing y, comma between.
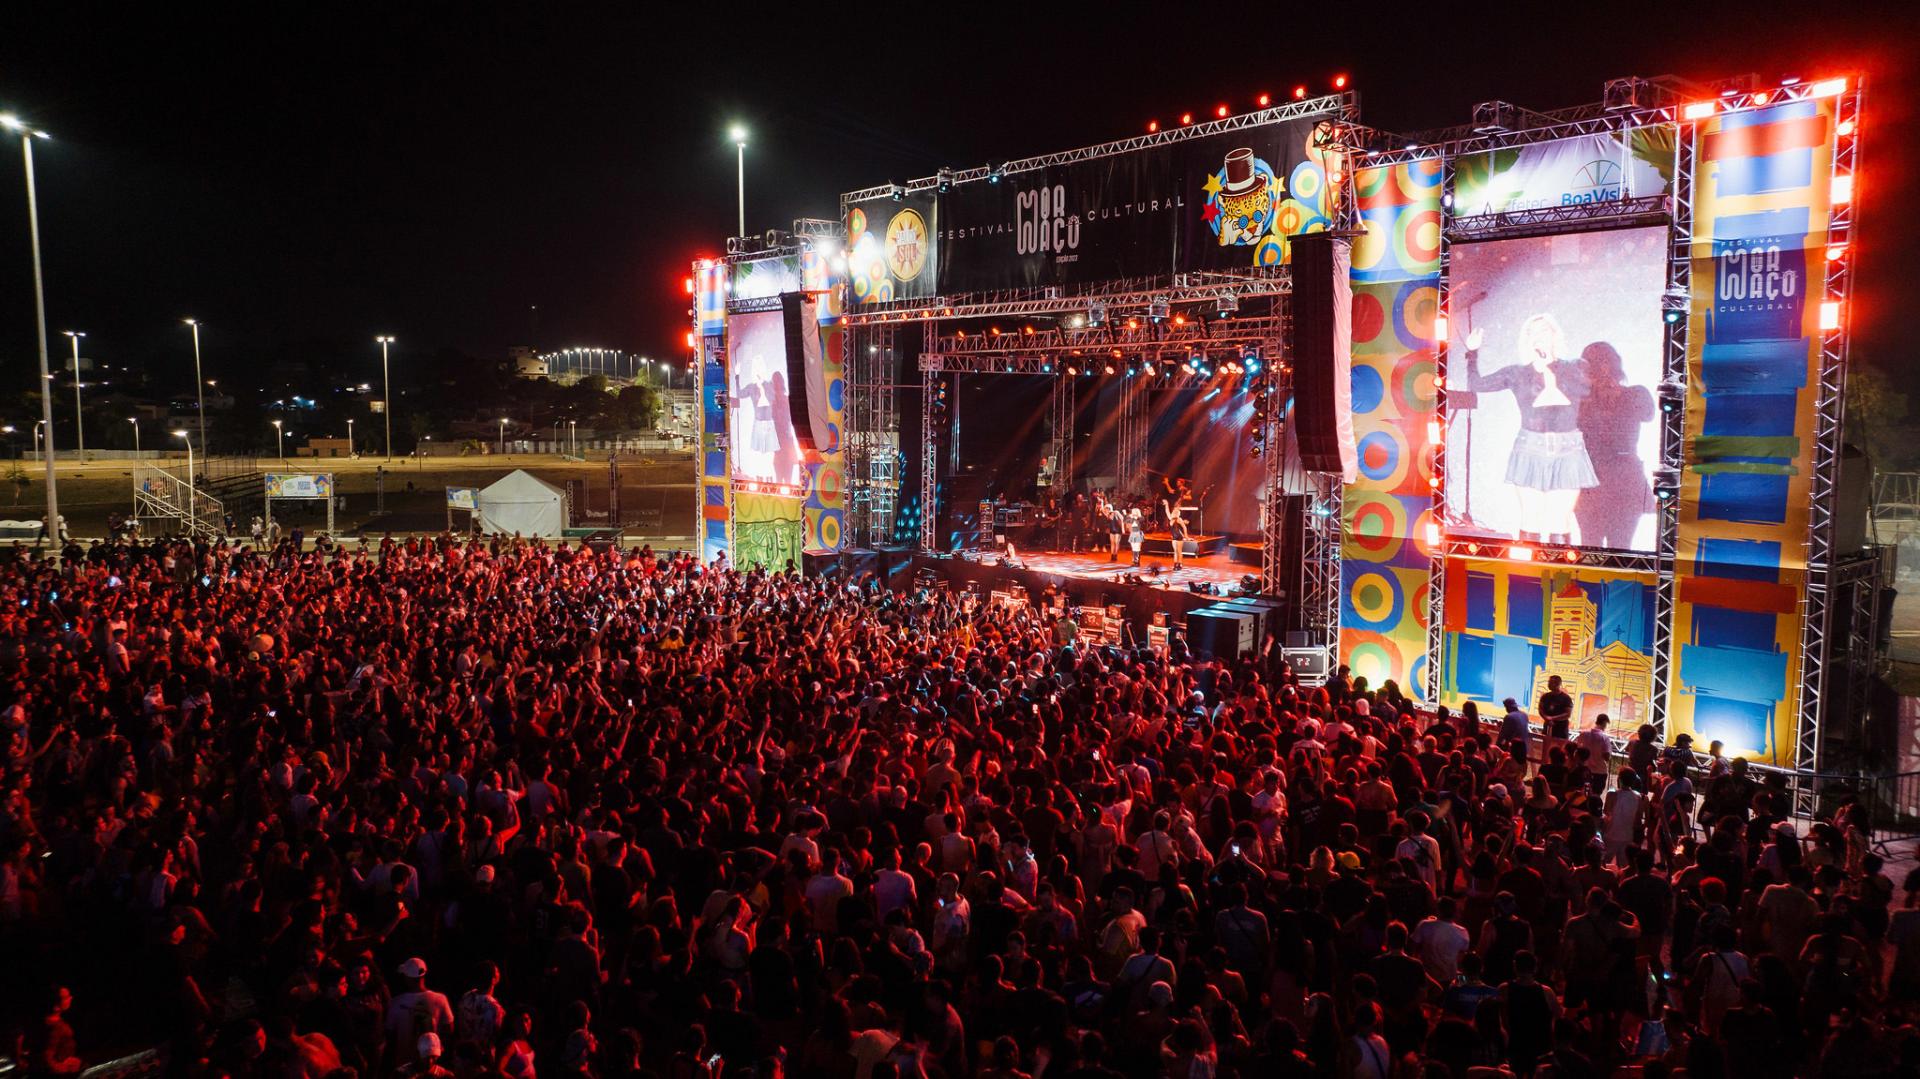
x: 280, y: 440
x: 739, y: 135
x: 135, y: 420
x: 79, y: 425
x: 199, y: 383
x: 503, y: 435
x: 192, y: 510
x: 351, y: 451
x: 27, y: 135
x: 386, y: 388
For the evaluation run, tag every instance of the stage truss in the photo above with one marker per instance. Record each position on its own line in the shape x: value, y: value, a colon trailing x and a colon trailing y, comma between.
x: 1145, y: 355
x: 1660, y: 104
x: 878, y: 338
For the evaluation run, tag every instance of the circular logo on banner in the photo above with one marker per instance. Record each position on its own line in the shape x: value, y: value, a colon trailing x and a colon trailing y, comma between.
x: 907, y: 245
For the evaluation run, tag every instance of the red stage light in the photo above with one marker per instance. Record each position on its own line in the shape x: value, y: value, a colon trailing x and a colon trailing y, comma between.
x: 1186, y: 118
x: 1152, y: 126
x: 1264, y: 99
x: 1520, y: 553
x: 1827, y: 88
x: 689, y: 284
x: 1179, y: 320
x: 1572, y: 556
x: 1836, y: 252
x: 994, y: 330
x: 1109, y: 369
x: 1133, y: 324
x: 1220, y: 111
x: 1299, y: 93
x: 1843, y: 189
x: 1699, y: 110
x: 1028, y: 330
x: 1339, y: 82
x: 689, y: 338
x: 1762, y: 98
x: 1846, y: 127
x: 1830, y: 315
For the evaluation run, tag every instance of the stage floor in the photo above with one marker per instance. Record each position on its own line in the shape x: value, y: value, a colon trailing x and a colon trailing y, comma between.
x: 1216, y: 569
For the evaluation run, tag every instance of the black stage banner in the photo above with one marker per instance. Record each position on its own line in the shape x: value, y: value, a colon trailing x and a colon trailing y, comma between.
x: 1223, y: 202
x: 893, y: 248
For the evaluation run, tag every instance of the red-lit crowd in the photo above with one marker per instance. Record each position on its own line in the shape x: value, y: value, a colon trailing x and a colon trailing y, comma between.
x: 500, y: 808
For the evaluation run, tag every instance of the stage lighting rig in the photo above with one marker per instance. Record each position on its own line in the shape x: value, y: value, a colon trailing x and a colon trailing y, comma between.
x: 1228, y: 305
x: 1673, y: 395
x: 1620, y: 95
x: 943, y: 180
x: 1158, y: 309
x: 1673, y: 304
x: 1096, y: 315
x: 1666, y: 483
x: 897, y: 192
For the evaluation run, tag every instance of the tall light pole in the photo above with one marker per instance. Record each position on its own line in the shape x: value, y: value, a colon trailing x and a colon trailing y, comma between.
x: 738, y: 133
x: 187, y: 438
x: 351, y: 451
x: 135, y: 420
x: 79, y: 432
x: 280, y: 439
x: 503, y: 435
x: 386, y: 388
x: 199, y: 383
x: 192, y: 510
x: 573, y: 438
x: 37, y: 424
x: 27, y: 135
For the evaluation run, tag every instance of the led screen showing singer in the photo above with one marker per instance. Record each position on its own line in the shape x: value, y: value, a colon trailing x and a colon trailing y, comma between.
x: 759, y: 419
x: 1553, y: 367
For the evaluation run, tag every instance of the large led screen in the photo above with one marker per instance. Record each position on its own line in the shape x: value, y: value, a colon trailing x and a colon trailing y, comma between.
x: 759, y: 421
x: 1553, y: 366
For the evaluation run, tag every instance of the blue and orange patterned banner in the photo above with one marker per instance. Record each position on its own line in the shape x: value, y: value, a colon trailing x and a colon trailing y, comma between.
x: 1384, y: 558
x: 1512, y: 625
x: 1762, y: 199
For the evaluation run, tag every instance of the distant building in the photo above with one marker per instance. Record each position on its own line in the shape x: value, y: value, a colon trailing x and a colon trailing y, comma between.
x: 527, y: 362
x: 325, y: 447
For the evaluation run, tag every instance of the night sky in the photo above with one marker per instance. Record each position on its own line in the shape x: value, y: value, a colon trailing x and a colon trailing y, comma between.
x: 305, y: 176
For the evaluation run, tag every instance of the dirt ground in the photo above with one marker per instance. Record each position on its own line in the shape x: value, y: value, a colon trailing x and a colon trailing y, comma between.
x: 661, y: 487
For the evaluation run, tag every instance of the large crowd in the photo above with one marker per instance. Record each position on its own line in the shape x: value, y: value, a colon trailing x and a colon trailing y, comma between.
x: 502, y: 808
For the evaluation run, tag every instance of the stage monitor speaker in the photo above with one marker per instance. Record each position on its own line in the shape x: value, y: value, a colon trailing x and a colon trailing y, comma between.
x: 1322, y: 347
x: 824, y: 564
x: 1297, y: 638
x: 1270, y: 615
x: 1220, y: 632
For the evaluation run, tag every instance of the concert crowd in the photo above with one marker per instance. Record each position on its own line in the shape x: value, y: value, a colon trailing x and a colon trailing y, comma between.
x: 501, y: 808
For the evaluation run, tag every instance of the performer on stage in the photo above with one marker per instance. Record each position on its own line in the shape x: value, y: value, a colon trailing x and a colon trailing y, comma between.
x: 1136, y: 532
x: 1116, y: 524
x: 1177, y: 533
x: 1549, y: 456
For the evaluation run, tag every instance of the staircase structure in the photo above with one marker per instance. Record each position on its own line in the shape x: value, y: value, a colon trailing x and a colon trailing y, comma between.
x: 180, y: 507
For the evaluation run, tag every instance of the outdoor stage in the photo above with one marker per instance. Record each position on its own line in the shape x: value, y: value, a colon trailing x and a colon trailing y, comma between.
x: 1155, y: 570
x: 1090, y: 581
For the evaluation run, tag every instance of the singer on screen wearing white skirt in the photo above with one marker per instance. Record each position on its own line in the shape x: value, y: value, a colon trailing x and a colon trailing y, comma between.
x: 1549, y: 458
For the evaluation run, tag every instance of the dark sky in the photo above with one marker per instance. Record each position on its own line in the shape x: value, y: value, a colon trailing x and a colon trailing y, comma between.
x: 301, y: 173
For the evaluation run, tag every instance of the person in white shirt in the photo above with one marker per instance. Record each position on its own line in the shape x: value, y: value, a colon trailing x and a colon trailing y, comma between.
x: 1439, y: 942
x: 1421, y: 849
x: 825, y: 890
x: 1599, y: 747
x: 893, y: 888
